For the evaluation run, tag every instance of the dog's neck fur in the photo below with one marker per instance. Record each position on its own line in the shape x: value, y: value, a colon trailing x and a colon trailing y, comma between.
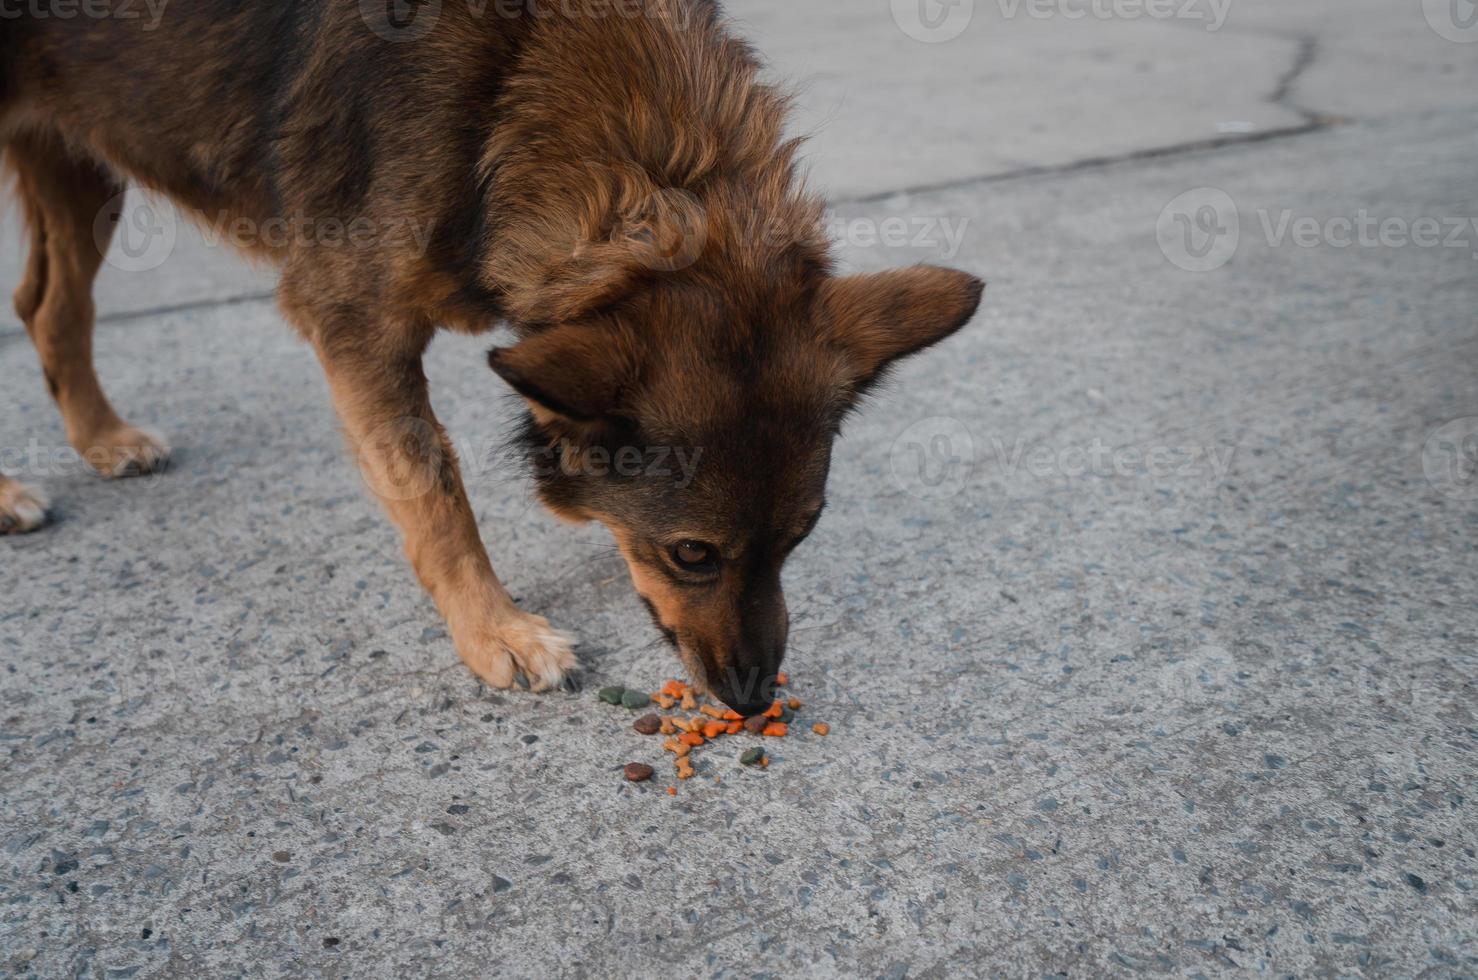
x: 628, y: 147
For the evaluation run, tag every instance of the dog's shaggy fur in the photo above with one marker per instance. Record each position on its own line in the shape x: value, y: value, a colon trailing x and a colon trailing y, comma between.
x: 610, y: 180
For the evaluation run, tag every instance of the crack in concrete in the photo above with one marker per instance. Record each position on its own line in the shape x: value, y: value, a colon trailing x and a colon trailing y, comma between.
x: 1308, y: 51
x: 1097, y: 163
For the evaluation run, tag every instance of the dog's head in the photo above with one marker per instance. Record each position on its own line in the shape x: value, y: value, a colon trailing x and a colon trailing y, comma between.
x: 698, y: 427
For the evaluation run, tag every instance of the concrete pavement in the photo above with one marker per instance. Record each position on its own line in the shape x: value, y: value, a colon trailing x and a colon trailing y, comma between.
x: 1142, y: 611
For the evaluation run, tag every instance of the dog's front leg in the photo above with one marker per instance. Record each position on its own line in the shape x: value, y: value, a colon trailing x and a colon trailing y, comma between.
x: 380, y: 392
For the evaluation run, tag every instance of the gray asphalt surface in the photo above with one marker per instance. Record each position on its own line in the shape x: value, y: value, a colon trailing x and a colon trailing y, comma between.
x: 1143, y: 611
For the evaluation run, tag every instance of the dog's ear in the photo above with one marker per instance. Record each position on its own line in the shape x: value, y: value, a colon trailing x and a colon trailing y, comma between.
x: 577, y: 374
x: 876, y: 319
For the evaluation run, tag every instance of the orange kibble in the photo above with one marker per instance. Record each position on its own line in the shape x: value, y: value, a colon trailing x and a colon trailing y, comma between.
x: 765, y: 762
x: 732, y: 715
x: 672, y: 791
x: 821, y: 728
x: 674, y: 689
x: 711, y: 711
x: 714, y: 729
x: 735, y: 727
x: 666, y: 727
x: 684, y: 768
x: 794, y: 704
x: 781, y: 679
x: 688, y: 701
x: 692, y: 739
x: 776, y: 729
x: 775, y: 710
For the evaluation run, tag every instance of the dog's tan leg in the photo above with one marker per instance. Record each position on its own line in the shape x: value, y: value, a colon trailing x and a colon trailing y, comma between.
x: 62, y: 198
x: 380, y: 392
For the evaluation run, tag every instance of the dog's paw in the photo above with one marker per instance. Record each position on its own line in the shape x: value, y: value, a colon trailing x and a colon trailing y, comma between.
x: 520, y: 642
x: 22, y: 508
x: 125, y: 451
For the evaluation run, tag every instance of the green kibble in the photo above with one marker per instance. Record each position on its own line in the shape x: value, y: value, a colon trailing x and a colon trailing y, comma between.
x: 612, y: 695
x: 752, y: 757
x: 635, y: 699
x: 786, y: 714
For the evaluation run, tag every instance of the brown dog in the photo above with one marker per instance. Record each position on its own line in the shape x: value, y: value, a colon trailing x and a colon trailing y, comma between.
x: 607, y: 177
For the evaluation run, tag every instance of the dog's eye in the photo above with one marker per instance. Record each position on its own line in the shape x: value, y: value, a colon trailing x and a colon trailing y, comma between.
x: 695, y: 556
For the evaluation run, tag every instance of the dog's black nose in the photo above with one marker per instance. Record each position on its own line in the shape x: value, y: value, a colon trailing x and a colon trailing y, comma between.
x: 749, y: 708
x: 751, y: 699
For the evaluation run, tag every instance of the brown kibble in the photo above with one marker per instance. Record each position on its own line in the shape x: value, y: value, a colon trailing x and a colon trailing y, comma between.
x: 756, y: 725
x: 794, y: 704
x: 776, y: 729
x: 638, y: 772
x: 647, y: 725
x: 821, y: 728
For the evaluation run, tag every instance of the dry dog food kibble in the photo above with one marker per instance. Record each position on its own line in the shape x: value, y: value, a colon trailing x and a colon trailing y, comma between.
x: 700, y: 725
